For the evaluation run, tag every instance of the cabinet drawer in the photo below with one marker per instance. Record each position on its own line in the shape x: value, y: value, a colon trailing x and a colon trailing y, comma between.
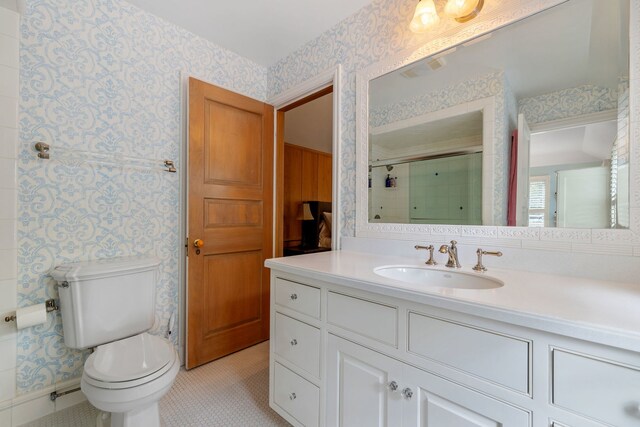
x: 297, y: 396
x: 603, y: 390
x: 299, y: 343
x: 371, y: 319
x: 301, y: 298
x: 498, y: 358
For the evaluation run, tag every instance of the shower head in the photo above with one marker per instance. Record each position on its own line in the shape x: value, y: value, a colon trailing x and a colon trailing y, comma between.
x: 389, y: 168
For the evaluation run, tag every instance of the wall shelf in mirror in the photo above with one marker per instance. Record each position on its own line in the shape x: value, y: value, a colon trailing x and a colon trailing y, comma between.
x: 546, y: 63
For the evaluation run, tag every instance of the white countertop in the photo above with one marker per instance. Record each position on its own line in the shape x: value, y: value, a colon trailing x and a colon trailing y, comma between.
x: 595, y: 310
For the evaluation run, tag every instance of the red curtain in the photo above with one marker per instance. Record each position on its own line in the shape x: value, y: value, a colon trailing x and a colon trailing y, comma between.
x: 513, y: 180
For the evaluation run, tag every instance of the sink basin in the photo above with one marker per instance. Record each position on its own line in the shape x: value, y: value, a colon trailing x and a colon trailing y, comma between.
x: 429, y: 277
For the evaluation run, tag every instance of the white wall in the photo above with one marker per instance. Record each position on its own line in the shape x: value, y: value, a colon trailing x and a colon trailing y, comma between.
x: 9, y: 60
x: 310, y: 125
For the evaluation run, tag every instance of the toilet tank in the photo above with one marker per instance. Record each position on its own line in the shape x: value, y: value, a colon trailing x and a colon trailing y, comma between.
x: 106, y: 300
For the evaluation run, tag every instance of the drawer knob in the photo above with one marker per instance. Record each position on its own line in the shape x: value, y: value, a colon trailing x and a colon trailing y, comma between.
x: 294, y: 297
x: 292, y: 396
x: 407, y: 393
x: 294, y: 342
x: 393, y: 386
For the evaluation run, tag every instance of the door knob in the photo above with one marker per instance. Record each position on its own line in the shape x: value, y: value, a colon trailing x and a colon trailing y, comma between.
x: 198, y: 243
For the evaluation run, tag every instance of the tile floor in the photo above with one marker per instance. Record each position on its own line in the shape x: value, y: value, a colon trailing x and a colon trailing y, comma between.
x: 233, y: 392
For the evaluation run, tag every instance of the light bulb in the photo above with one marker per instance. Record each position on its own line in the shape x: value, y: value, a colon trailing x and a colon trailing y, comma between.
x: 463, y: 10
x: 425, y: 17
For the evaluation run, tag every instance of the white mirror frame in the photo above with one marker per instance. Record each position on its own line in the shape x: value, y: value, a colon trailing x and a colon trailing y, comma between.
x: 604, y: 241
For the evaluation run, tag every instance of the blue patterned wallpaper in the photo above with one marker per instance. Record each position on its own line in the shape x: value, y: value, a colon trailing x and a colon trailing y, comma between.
x: 567, y: 103
x: 103, y: 77
x: 376, y: 32
x: 467, y: 91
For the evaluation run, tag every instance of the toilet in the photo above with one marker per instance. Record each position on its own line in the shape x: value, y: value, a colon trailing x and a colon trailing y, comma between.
x: 110, y: 305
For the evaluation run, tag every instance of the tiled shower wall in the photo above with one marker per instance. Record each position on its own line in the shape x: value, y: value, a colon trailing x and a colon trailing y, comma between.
x: 8, y: 141
x: 9, y: 21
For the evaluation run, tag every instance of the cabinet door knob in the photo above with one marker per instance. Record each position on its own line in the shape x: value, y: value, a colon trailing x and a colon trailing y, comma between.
x: 393, y: 386
x: 407, y: 393
x: 294, y: 297
x: 294, y: 342
x: 292, y: 396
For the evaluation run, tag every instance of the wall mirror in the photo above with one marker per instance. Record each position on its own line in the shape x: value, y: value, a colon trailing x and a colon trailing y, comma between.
x: 527, y: 125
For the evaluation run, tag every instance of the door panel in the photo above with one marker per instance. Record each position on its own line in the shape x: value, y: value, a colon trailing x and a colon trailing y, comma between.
x: 325, y: 176
x: 243, y: 304
x: 230, y: 210
x: 236, y: 160
x: 292, y: 234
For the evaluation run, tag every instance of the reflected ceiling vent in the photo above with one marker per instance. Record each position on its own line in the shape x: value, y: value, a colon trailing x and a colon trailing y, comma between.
x: 423, y: 68
x: 437, y: 63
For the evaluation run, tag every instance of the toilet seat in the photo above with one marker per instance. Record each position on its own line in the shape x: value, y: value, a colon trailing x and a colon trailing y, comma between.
x: 129, y: 362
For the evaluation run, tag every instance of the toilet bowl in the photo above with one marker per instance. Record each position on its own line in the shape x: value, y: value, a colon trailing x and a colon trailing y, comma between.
x: 128, y: 377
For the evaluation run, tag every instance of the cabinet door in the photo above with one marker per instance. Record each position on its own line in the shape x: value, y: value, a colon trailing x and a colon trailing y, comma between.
x: 436, y: 402
x: 359, y: 386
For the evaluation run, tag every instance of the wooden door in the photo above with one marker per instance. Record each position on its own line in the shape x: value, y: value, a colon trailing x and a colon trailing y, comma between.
x: 363, y: 386
x: 230, y: 211
x: 583, y: 199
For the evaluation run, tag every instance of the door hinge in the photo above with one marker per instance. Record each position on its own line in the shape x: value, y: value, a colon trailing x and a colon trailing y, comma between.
x: 186, y: 245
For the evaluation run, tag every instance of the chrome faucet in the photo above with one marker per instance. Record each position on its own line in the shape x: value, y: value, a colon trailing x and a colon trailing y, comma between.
x: 452, y: 251
x: 429, y: 248
x: 479, y: 266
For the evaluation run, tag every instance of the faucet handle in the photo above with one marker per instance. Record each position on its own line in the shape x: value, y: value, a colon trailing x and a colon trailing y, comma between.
x: 430, y: 248
x: 479, y: 266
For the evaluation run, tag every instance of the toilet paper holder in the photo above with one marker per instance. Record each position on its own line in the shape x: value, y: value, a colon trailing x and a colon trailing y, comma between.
x: 50, y: 304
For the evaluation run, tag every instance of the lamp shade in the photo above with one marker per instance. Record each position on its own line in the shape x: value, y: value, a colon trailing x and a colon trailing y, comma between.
x: 425, y: 17
x: 304, y: 212
x: 463, y: 10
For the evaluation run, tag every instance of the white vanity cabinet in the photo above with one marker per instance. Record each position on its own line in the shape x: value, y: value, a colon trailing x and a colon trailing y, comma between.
x: 295, y: 351
x: 366, y: 386
x: 376, y: 390
x: 344, y: 354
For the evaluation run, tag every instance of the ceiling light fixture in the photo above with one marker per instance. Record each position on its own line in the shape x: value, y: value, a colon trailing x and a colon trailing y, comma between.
x: 463, y: 10
x: 426, y: 15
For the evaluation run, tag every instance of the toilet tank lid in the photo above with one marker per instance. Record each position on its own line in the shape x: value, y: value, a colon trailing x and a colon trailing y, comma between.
x: 107, y: 267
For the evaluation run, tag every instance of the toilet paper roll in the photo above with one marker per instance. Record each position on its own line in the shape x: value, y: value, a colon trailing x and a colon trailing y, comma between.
x: 31, y: 316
